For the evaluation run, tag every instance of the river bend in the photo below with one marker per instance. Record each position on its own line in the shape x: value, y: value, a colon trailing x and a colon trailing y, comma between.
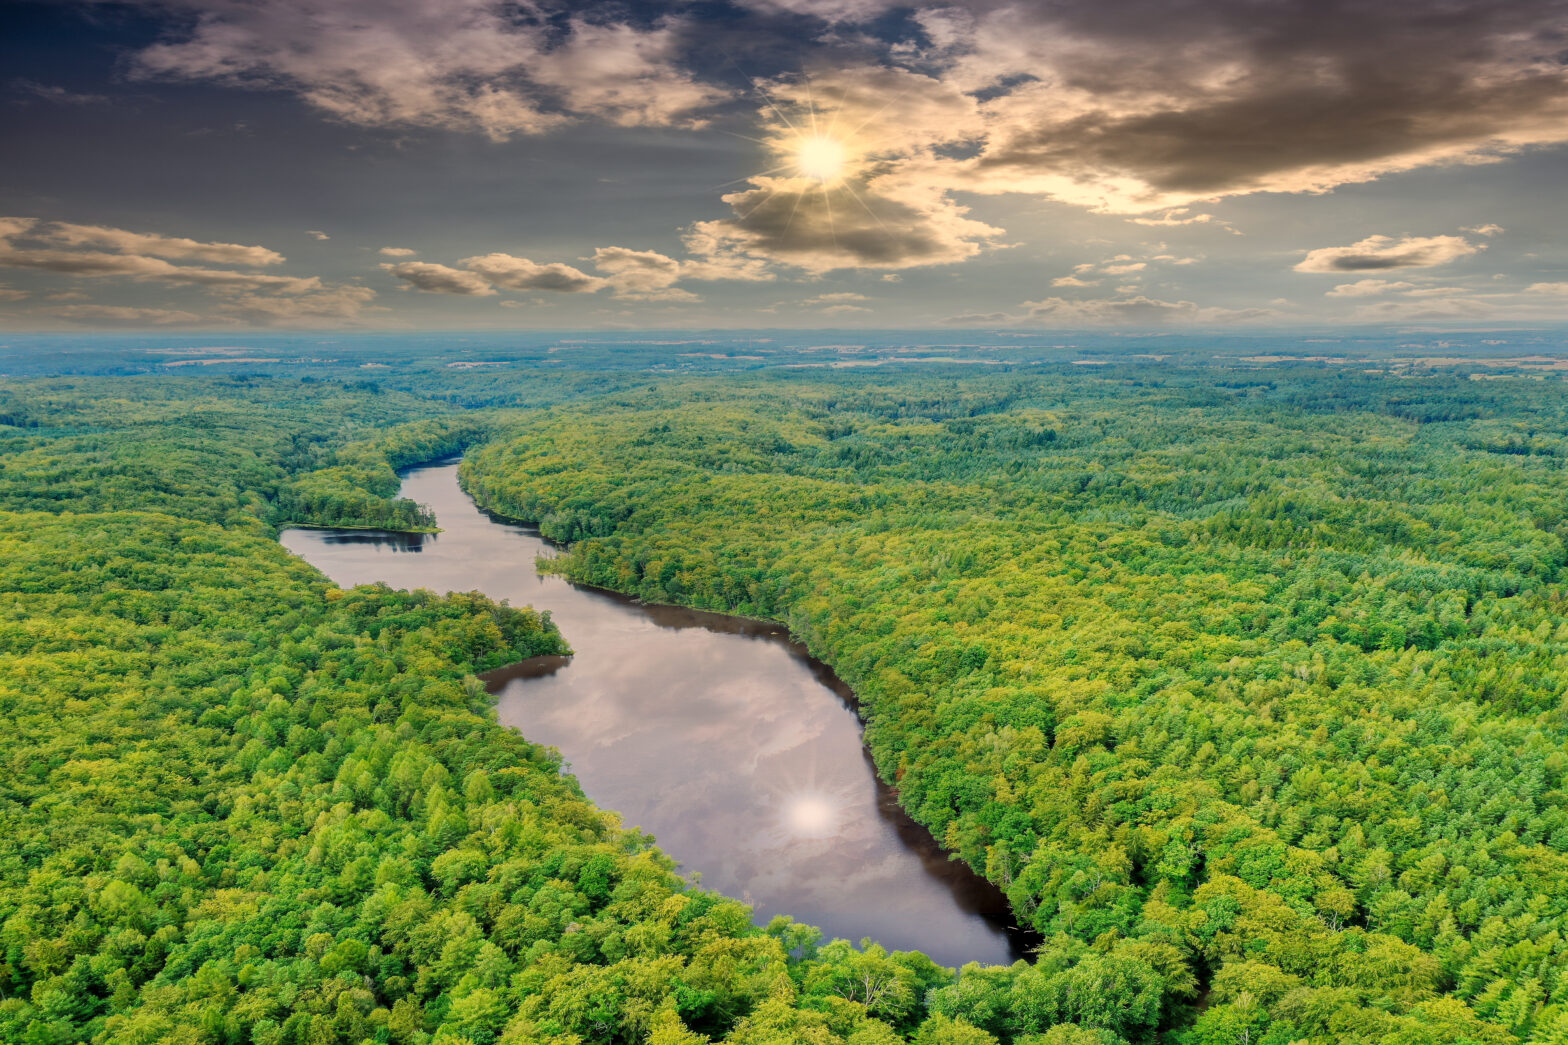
x: 717, y: 735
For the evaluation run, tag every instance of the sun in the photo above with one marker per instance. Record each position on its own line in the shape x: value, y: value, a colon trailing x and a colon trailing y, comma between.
x: 821, y: 158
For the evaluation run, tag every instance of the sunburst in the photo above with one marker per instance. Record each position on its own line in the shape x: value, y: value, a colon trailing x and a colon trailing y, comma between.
x: 817, y: 157
x: 811, y: 814
x: 807, y: 805
x: 822, y: 158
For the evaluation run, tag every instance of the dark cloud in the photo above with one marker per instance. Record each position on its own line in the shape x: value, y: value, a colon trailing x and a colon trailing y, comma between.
x: 1146, y: 106
x: 1196, y: 100
x: 797, y: 222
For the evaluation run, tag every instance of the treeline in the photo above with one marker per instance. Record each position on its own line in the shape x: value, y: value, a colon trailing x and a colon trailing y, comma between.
x: 358, y: 488
x: 274, y: 451
x: 1252, y: 689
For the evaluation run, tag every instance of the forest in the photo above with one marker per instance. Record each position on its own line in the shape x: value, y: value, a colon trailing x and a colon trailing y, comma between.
x: 1244, y: 681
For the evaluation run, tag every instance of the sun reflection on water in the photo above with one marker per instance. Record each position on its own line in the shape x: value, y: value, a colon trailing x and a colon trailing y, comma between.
x: 812, y: 814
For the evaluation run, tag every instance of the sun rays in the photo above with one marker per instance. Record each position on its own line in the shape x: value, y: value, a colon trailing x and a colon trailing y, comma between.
x: 848, y: 183
x: 812, y: 806
x: 819, y: 158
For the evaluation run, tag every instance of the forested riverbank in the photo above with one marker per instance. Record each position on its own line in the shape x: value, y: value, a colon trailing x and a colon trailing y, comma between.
x: 1249, y: 685
x: 1244, y: 681
x: 712, y: 732
x: 242, y: 805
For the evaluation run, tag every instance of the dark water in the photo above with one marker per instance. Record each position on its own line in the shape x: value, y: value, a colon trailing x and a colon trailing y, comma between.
x: 717, y: 735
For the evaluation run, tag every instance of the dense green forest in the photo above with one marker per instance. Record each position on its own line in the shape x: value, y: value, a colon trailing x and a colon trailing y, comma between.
x: 1244, y: 680
x: 240, y: 805
x: 1252, y: 682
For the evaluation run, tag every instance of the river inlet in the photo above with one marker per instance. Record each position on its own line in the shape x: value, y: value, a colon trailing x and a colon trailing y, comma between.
x: 717, y: 735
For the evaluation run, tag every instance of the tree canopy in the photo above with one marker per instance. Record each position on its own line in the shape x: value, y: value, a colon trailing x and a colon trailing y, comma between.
x: 1245, y: 683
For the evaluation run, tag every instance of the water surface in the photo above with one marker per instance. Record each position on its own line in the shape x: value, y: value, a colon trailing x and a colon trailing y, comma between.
x: 717, y: 735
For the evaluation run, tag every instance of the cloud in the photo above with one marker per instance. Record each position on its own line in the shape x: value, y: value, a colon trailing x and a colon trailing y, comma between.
x: 1161, y: 107
x: 792, y: 221
x: 482, y: 65
x: 513, y: 273
x: 837, y: 302
x: 886, y: 206
x: 978, y: 319
x: 176, y: 247
x: 258, y: 297
x: 318, y: 234
x: 674, y: 295
x: 439, y: 279
x: 1382, y: 253
x: 718, y: 259
x: 1547, y: 288
x: 641, y: 275
x: 332, y: 304
x: 623, y: 74
x: 12, y: 294
x: 397, y: 252
x: 630, y: 275
x: 1182, y: 216
x: 1363, y: 288
x: 1433, y: 292
x: 1123, y: 265
x: 1152, y: 109
x: 1485, y: 230
x: 262, y: 298
x: 135, y: 266
x: 123, y: 315
x: 1136, y: 311
x: 827, y: 10
x: 1424, y: 309
x: 57, y: 95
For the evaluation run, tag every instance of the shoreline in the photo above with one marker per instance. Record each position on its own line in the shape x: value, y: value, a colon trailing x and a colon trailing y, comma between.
x: 1029, y: 938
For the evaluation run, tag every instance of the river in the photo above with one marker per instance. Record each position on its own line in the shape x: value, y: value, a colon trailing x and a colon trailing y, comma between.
x: 717, y: 735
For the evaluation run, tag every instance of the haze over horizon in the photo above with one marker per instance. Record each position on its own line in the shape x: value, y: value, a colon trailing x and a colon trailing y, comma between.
x: 314, y: 164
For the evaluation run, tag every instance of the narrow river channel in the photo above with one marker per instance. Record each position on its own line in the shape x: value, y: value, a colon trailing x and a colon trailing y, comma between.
x: 718, y: 736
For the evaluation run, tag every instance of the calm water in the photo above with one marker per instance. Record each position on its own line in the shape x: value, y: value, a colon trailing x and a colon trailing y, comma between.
x: 718, y: 736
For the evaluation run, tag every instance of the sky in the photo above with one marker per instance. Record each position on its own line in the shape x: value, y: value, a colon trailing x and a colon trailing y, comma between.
x: 533, y: 164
